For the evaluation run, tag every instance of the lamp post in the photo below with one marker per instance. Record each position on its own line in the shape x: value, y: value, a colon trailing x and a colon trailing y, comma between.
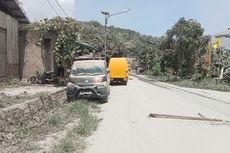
x: 107, y: 15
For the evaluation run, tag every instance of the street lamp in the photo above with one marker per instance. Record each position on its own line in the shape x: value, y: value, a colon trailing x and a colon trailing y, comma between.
x: 107, y: 15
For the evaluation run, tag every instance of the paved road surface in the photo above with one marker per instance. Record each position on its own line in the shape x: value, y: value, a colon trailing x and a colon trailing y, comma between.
x: 126, y: 127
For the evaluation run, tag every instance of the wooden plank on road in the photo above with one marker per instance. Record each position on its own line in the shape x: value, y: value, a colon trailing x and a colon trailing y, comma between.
x: 167, y: 116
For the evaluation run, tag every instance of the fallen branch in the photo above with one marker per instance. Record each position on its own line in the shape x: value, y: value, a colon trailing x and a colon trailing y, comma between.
x: 167, y: 116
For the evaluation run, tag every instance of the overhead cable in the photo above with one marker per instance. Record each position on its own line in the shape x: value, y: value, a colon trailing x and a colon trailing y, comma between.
x: 52, y: 7
x: 61, y: 8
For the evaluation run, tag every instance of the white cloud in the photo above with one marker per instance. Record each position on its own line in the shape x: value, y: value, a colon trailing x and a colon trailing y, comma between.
x: 40, y: 9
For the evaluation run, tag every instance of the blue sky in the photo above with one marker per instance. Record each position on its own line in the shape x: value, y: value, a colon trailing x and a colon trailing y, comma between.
x: 151, y: 17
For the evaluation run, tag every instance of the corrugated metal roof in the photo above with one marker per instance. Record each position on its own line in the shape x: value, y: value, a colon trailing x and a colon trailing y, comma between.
x: 13, y: 8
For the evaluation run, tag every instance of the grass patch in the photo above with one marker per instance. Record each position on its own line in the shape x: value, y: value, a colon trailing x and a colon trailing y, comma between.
x: 87, y: 125
x: 12, y: 83
x: 54, y: 121
x: 209, y: 84
x: 65, y: 146
x: 69, y: 144
x: 164, y: 78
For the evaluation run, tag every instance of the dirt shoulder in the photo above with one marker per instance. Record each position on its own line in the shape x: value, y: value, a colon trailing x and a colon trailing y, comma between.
x: 11, y: 96
x: 207, y: 84
x: 42, y: 121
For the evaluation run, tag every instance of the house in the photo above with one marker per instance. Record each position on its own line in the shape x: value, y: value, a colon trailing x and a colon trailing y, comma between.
x: 36, y: 52
x: 11, y: 16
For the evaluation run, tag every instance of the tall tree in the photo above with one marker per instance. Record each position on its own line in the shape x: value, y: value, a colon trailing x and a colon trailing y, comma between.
x: 181, y: 46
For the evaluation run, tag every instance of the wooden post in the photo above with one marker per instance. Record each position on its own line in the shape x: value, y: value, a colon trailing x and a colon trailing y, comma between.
x: 207, y: 61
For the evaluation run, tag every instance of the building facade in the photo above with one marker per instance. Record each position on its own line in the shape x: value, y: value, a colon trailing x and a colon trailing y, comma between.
x: 36, y: 53
x: 11, y: 16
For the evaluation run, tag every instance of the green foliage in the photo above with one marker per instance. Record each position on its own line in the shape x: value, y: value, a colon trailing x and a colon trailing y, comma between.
x: 66, y: 145
x: 147, y: 52
x: 207, y: 83
x: 55, y: 119
x: 66, y: 32
x: 181, y: 50
x: 123, y: 42
x: 87, y: 124
x: 92, y: 33
x: 181, y: 46
x: 157, y: 69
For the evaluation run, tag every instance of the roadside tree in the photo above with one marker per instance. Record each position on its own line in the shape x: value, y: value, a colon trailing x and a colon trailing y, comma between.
x: 181, y: 46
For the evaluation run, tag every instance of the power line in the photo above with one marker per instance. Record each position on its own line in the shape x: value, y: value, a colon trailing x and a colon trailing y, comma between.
x: 61, y: 8
x: 52, y: 7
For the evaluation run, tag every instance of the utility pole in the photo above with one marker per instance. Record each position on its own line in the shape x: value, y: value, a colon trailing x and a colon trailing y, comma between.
x: 107, y: 16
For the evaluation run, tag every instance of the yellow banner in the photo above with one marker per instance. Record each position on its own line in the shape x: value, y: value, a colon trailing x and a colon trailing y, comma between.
x: 217, y: 44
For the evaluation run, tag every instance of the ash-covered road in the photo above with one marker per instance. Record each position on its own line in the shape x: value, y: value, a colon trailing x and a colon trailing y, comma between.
x: 126, y: 127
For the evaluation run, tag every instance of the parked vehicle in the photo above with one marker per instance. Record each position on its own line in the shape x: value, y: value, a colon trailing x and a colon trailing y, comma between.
x: 119, y: 71
x: 88, y: 79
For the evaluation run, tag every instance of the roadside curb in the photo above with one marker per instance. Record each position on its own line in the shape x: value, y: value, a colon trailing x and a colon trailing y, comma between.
x: 21, y: 113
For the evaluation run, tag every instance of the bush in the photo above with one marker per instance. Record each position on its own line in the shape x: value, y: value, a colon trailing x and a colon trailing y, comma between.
x: 156, y: 70
x: 197, y: 77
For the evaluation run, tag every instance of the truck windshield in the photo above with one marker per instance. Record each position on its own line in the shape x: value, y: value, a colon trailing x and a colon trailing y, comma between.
x: 88, y: 68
